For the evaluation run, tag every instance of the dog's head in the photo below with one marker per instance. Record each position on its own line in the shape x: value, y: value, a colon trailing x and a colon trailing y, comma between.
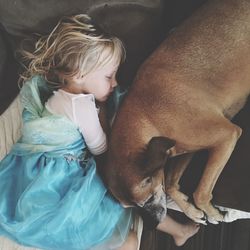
x: 138, y: 179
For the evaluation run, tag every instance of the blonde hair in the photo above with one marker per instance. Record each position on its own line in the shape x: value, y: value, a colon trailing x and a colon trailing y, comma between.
x: 74, y: 45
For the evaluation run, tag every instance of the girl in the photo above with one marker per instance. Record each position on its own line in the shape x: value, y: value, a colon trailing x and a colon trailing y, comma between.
x: 51, y: 196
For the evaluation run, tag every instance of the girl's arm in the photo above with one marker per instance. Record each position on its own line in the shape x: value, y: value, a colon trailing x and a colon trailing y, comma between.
x: 82, y: 111
x: 86, y: 117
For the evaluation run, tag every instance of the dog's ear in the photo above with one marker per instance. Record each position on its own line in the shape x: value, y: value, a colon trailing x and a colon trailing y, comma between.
x: 156, y: 153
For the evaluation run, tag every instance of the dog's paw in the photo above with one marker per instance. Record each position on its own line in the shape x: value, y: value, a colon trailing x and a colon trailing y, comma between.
x: 187, y: 207
x: 214, y: 215
x: 195, y: 214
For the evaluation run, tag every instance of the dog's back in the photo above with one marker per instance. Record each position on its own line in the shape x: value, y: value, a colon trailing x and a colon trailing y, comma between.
x: 208, y: 53
x: 203, y: 65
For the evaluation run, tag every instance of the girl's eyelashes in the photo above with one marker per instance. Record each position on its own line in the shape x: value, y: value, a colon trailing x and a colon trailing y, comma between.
x: 109, y: 77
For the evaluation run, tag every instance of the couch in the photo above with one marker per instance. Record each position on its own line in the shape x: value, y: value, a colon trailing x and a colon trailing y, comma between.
x: 142, y: 25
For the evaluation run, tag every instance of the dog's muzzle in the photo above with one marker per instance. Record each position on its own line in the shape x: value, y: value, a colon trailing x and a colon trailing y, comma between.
x: 156, y: 206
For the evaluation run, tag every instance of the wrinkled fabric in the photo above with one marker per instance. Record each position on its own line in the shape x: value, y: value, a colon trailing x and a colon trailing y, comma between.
x: 51, y: 195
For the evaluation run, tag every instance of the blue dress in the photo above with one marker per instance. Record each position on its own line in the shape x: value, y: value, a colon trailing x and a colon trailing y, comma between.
x: 51, y: 195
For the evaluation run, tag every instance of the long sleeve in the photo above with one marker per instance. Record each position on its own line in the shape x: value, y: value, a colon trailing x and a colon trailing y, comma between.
x: 82, y: 111
x: 86, y: 116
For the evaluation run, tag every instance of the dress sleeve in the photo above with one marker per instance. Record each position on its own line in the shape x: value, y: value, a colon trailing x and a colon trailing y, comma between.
x: 86, y: 117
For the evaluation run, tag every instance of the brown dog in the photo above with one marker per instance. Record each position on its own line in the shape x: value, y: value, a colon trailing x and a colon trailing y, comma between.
x: 181, y: 102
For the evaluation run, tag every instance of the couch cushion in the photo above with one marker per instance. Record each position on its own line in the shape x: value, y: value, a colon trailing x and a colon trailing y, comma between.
x: 3, y: 55
x: 8, y: 73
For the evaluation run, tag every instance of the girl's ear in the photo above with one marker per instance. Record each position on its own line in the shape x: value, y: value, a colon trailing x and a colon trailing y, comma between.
x: 156, y: 153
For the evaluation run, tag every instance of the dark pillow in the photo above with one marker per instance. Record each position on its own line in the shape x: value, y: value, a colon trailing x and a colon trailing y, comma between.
x: 3, y: 56
x: 8, y: 73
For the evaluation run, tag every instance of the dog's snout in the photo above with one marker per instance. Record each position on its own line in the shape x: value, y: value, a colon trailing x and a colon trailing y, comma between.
x: 156, y: 206
x: 150, y: 200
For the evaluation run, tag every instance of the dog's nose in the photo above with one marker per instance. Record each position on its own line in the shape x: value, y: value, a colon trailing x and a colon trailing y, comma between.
x: 150, y: 200
x: 157, y: 208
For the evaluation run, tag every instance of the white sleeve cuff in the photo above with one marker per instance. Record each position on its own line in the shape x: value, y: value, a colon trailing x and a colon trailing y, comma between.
x: 99, y: 145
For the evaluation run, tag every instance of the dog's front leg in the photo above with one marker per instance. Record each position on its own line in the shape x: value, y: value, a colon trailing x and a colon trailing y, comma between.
x: 219, y: 154
x: 172, y: 188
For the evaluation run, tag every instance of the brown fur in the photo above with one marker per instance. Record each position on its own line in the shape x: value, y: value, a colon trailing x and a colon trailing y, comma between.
x: 183, y: 97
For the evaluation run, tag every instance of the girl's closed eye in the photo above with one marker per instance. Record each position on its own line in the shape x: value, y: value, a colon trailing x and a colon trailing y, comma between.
x: 109, y: 77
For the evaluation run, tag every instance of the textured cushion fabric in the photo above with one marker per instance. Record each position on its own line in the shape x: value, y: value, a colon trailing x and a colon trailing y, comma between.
x: 39, y: 16
x: 3, y: 56
x: 10, y: 127
x: 8, y: 72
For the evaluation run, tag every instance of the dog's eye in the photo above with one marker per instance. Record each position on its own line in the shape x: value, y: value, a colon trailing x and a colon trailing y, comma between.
x: 146, y: 182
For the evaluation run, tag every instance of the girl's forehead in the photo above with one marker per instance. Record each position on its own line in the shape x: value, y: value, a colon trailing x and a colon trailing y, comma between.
x: 109, y: 59
x: 109, y: 66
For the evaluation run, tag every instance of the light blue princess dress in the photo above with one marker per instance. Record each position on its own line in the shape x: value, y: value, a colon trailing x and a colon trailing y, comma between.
x: 51, y: 195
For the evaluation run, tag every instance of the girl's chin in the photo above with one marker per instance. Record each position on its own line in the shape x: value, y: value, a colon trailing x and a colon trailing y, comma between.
x: 103, y: 99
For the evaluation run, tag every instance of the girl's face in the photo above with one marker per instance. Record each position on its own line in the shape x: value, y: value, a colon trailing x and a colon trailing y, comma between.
x: 100, y: 82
